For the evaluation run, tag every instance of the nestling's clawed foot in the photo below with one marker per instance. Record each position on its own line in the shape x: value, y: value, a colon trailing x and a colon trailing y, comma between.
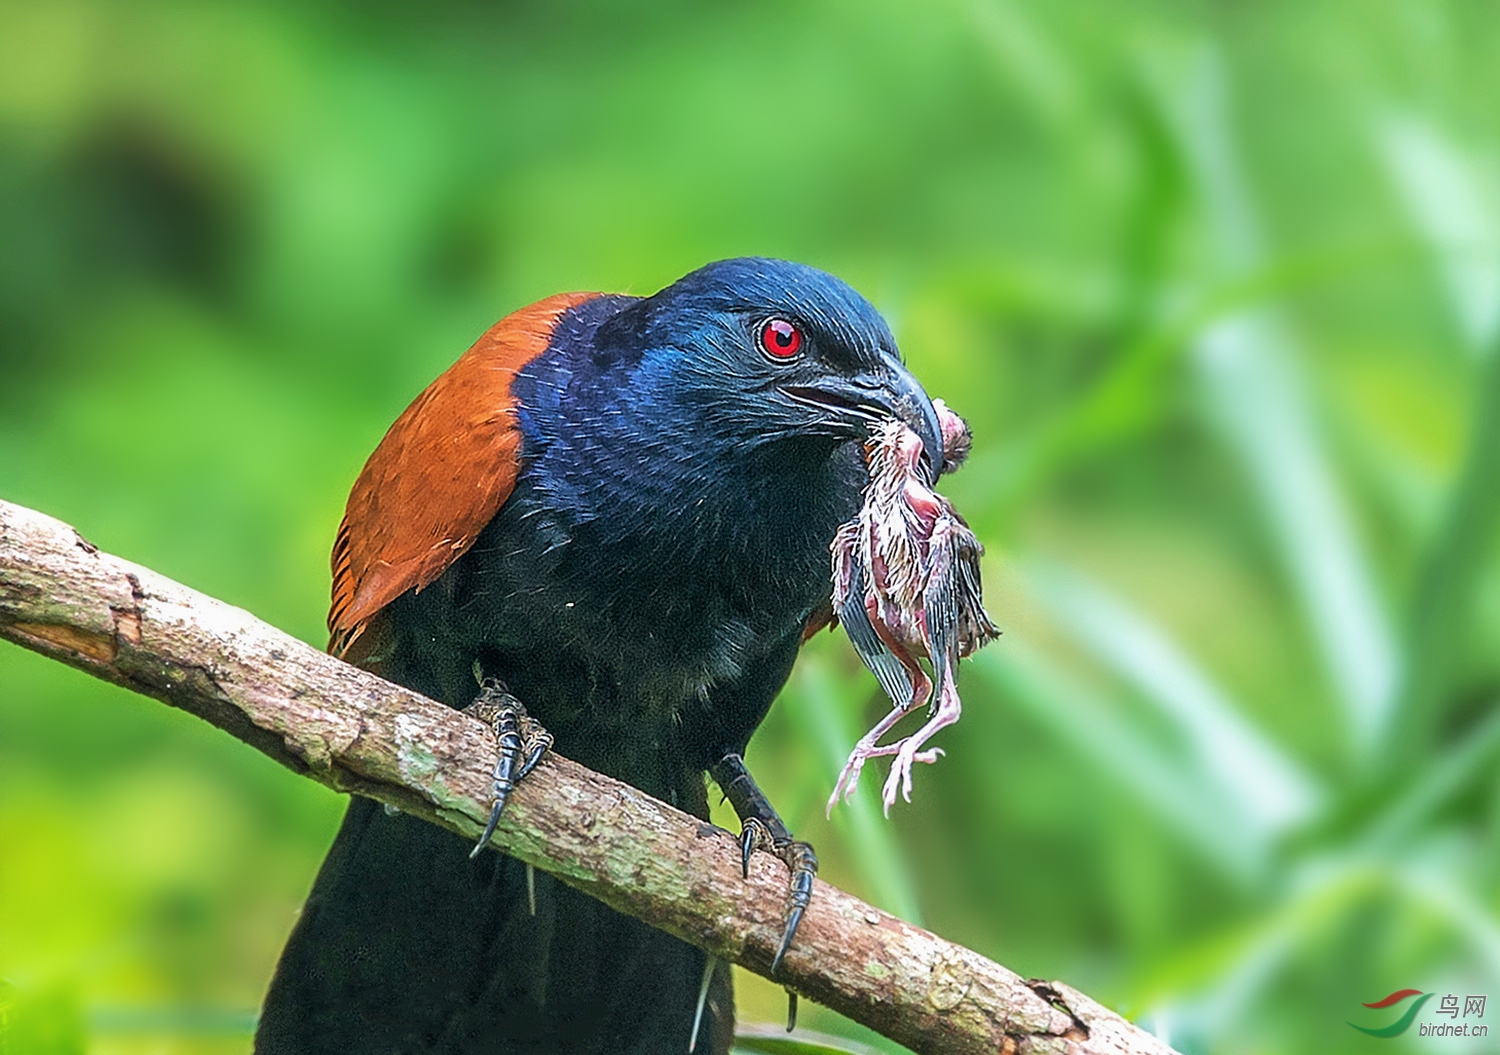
x: 762, y: 830
x: 906, y: 756
x: 520, y: 742
x: 900, y: 777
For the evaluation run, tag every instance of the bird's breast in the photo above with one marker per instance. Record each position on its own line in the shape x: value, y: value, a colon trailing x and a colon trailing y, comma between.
x: 617, y: 619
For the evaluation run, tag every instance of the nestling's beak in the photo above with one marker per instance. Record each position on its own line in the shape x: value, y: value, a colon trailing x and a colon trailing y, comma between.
x: 868, y: 397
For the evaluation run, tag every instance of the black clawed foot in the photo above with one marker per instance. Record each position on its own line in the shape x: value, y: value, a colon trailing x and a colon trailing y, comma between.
x: 519, y: 739
x: 803, y: 864
x: 762, y: 830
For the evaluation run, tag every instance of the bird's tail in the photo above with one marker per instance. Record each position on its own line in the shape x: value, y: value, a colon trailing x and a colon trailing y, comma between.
x: 406, y: 945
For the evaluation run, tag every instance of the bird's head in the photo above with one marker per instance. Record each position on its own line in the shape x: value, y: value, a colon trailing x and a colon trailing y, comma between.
x: 766, y: 351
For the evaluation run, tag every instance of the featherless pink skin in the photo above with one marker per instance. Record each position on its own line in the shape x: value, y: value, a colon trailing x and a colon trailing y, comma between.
x: 906, y: 586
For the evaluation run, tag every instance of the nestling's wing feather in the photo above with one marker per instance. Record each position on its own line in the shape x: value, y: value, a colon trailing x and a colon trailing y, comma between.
x: 881, y: 660
x: 439, y: 476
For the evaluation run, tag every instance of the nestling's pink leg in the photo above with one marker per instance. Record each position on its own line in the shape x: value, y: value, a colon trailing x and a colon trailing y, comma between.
x: 864, y: 750
x: 909, y: 751
x: 867, y: 747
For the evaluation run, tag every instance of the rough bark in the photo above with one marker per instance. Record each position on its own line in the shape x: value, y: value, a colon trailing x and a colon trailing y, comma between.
x: 62, y: 597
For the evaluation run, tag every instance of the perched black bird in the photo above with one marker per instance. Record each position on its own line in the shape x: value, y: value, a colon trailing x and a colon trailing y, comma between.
x: 618, y: 510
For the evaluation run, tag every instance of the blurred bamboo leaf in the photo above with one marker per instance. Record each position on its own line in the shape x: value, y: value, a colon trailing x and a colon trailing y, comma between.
x: 1447, y: 774
x: 1453, y: 202
x: 1102, y: 738
x: 1254, y: 395
x: 1448, y: 580
x: 1430, y: 879
x: 1211, y: 985
x: 1268, y: 792
x: 1133, y: 394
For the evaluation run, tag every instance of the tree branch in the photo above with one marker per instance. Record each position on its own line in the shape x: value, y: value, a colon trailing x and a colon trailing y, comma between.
x: 62, y: 597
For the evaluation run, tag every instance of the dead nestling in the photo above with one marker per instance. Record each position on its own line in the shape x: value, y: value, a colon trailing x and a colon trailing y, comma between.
x: 906, y: 588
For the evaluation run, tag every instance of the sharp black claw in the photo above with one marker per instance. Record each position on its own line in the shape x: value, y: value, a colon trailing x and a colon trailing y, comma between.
x: 797, y: 901
x: 754, y: 836
x: 747, y: 847
x: 793, y: 919
x: 542, y: 740
x: 489, y: 828
x: 791, y: 1010
x: 804, y: 866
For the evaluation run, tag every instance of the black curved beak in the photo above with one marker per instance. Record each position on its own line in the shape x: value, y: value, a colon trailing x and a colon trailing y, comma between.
x: 869, y: 397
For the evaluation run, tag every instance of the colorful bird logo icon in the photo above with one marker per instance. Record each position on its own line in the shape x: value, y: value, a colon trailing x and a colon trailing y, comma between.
x: 1402, y: 1024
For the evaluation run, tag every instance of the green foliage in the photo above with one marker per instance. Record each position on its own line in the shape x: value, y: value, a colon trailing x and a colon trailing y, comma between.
x: 47, y: 1021
x: 1217, y: 286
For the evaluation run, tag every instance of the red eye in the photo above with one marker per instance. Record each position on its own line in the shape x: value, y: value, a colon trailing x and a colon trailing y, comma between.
x: 780, y: 339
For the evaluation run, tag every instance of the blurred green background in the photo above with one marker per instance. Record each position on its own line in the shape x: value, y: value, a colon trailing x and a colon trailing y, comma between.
x: 1216, y: 283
